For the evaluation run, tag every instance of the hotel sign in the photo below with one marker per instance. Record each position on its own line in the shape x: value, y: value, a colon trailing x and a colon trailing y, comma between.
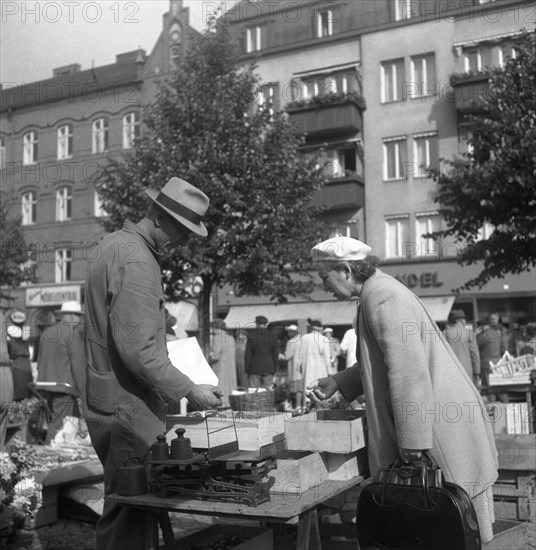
x: 41, y: 296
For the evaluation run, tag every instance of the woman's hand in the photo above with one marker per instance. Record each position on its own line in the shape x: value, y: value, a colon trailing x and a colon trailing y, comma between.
x: 321, y: 389
x: 411, y: 455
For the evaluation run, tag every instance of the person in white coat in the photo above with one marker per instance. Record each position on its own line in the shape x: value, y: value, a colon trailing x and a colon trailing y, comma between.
x: 418, y: 395
x: 315, y: 354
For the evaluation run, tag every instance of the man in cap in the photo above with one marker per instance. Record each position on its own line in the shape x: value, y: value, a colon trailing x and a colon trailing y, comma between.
x: 130, y: 378
x: 411, y: 379
x: 262, y: 354
x: 60, y: 357
x: 463, y: 344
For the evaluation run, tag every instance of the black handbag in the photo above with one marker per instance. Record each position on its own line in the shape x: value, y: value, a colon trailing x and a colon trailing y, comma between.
x: 412, y: 508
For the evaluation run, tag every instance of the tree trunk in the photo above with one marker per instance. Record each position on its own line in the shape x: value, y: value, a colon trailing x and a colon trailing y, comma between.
x: 203, y: 313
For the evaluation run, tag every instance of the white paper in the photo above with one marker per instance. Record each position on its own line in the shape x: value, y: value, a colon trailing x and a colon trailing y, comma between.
x: 186, y: 355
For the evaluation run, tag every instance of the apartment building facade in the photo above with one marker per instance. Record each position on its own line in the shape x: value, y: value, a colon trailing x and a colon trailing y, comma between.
x: 56, y: 136
x: 405, y: 53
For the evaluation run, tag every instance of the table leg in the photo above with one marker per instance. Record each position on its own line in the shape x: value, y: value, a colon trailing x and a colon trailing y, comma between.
x: 167, y: 532
x: 308, y: 531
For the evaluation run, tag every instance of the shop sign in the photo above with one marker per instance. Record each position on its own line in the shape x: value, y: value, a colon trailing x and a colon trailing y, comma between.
x: 428, y: 279
x: 51, y: 295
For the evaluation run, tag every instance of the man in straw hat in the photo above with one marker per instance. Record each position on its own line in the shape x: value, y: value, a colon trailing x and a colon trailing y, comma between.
x: 412, y: 381
x: 130, y: 378
x: 58, y: 360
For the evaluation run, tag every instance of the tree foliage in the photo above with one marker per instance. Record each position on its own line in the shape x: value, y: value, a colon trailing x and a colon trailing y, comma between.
x: 204, y: 128
x: 496, y: 182
x: 15, y: 267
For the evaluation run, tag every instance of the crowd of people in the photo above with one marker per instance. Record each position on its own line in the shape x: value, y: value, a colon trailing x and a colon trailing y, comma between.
x: 109, y: 363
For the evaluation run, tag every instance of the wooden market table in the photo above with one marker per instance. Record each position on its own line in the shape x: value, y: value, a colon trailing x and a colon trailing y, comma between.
x: 292, y: 509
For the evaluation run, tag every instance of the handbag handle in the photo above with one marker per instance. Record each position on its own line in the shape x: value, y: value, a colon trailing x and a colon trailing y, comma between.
x: 407, y: 471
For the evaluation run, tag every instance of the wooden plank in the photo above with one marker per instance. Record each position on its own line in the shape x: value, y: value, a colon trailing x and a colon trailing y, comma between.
x: 336, y: 431
x: 516, y: 452
x: 281, y: 507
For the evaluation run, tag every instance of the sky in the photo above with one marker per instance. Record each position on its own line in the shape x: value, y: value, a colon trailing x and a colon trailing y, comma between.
x: 37, y: 36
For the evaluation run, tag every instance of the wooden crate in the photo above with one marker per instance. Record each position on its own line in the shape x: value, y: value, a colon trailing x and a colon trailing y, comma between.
x: 253, y: 432
x: 298, y: 471
x: 513, y: 493
x: 345, y: 466
x: 335, y: 431
x: 509, y: 418
x: 48, y: 513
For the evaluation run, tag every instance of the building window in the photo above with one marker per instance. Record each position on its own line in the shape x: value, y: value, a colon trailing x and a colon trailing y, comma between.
x: 396, y: 236
x: 65, y: 142
x: 424, y: 224
x: 402, y: 9
x: 478, y: 59
x: 29, y: 154
x: 29, y: 208
x: 324, y: 23
x: 255, y: 38
x: 394, y: 158
x: 423, y: 74
x: 425, y: 153
x: 64, y: 204
x: 2, y: 153
x: 98, y: 206
x: 392, y: 78
x: 268, y: 97
x: 99, y: 136
x: 63, y: 265
x: 131, y: 129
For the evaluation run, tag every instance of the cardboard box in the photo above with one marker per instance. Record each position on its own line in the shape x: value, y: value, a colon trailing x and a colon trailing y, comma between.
x: 253, y: 432
x: 345, y: 466
x: 334, y: 431
x: 298, y: 471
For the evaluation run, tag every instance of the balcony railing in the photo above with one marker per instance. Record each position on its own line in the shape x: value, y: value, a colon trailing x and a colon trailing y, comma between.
x: 341, y: 194
x: 469, y: 89
x: 327, y: 116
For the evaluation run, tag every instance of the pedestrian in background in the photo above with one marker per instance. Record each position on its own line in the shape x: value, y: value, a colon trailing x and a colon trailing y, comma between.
x: 19, y: 355
x: 222, y: 358
x: 56, y: 364
x: 315, y: 354
x: 294, y: 365
x: 262, y: 353
x: 348, y: 347
x: 463, y: 344
x: 491, y: 347
x: 241, y: 340
x: 335, y: 349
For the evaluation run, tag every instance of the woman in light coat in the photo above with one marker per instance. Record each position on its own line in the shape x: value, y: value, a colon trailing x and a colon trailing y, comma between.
x: 418, y: 396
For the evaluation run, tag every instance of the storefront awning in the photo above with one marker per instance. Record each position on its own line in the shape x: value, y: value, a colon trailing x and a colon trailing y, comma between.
x: 328, y: 313
x: 438, y: 306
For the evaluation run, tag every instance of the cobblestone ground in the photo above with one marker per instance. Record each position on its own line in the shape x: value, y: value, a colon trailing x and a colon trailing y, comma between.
x: 74, y: 535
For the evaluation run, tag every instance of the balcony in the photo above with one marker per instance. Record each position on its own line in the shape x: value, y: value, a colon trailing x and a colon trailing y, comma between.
x: 469, y: 88
x: 332, y: 115
x: 343, y: 193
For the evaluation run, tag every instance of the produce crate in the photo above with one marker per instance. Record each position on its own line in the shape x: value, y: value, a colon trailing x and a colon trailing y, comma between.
x: 514, y: 492
x: 515, y: 371
x: 345, y: 466
x: 334, y: 431
x: 258, y: 538
x: 509, y: 418
x: 264, y: 435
